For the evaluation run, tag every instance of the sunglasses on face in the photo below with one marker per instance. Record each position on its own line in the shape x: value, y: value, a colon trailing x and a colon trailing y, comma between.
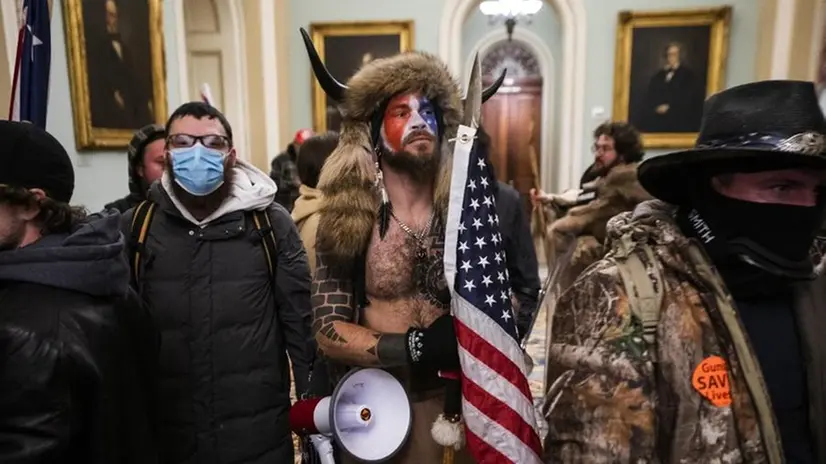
x: 213, y: 141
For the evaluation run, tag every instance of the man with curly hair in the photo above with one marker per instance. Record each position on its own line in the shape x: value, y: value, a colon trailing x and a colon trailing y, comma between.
x: 617, y: 151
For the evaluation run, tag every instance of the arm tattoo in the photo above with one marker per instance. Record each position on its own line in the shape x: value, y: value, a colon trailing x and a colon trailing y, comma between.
x: 336, y: 331
x: 332, y: 301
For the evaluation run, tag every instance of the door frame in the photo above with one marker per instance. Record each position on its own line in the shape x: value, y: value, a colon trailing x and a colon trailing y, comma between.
x: 552, y: 175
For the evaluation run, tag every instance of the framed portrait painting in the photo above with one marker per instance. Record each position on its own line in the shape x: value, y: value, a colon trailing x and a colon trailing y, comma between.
x: 116, y: 69
x: 344, y: 48
x: 667, y: 64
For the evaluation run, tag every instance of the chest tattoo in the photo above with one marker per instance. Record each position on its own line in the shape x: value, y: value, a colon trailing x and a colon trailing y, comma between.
x: 401, y: 267
x: 429, y: 270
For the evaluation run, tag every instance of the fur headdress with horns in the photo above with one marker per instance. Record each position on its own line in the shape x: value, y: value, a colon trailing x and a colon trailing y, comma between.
x: 348, y: 177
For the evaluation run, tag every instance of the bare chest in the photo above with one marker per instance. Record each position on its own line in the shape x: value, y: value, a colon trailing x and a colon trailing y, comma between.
x: 404, y: 281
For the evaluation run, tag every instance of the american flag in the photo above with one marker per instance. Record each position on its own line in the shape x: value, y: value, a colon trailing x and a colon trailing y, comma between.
x: 30, y: 89
x: 496, y: 400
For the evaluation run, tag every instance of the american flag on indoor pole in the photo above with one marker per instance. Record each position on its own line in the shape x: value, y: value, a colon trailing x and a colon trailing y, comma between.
x: 30, y: 89
x: 496, y: 400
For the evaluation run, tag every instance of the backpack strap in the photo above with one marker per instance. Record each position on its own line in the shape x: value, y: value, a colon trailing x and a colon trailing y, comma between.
x: 264, y: 227
x: 644, y: 291
x: 141, y: 219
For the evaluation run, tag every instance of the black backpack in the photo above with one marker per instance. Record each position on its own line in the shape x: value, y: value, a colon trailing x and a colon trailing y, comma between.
x: 142, y: 217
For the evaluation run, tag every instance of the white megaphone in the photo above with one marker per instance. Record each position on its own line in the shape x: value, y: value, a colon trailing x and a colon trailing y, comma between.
x: 368, y: 416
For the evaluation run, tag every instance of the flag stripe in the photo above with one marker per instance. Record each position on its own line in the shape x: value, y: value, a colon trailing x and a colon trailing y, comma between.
x: 458, y: 179
x: 507, y: 447
x: 516, y: 419
x: 489, y: 454
x: 14, y: 104
x: 488, y: 332
x: 500, y: 388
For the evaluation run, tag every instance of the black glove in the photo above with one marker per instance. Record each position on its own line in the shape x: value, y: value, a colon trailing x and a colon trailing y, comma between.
x: 434, y: 347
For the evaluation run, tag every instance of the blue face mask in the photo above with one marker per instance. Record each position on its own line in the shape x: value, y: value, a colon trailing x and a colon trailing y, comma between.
x: 198, y: 170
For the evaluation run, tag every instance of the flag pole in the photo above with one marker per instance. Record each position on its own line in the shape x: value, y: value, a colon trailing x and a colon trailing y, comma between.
x: 21, y: 21
x: 447, y: 457
x: 206, y: 94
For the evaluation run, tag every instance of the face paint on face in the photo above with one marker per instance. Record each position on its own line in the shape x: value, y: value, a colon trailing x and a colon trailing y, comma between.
x: 408, y: 118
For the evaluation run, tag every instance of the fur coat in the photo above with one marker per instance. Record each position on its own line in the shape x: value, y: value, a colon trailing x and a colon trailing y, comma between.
x: 348, y: 178
x: 584, y: 226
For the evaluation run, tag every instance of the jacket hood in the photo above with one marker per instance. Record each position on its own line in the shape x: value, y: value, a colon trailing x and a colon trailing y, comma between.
x: 309, y: 202
x: 89, y: 260
x: 347, y: 179
x: 251, y: 190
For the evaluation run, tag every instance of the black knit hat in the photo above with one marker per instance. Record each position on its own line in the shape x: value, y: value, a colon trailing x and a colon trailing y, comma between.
x: 143, y: 137
x: 31, y: 158
x: 754, y: 127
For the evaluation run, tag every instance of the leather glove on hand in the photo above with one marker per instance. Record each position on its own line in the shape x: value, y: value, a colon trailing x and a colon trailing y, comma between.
x: 435, y: 347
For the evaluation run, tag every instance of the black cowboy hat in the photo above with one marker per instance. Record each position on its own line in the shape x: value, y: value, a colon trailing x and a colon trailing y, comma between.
x: 753, y: 127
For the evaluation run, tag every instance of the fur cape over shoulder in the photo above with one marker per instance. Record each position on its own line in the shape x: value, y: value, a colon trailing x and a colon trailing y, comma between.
x: 584, y: 226
x: 347, y: 179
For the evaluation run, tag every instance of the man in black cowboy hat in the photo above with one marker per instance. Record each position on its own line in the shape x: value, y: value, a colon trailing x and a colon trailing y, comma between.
x: 697, y: 338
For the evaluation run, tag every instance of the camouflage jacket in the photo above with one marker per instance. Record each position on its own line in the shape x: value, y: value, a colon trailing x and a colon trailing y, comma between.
x: 613, y: 397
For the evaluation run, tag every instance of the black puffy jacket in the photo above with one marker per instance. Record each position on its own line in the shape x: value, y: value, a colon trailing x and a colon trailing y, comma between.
x: 224, y: 379
x: 75, y: 353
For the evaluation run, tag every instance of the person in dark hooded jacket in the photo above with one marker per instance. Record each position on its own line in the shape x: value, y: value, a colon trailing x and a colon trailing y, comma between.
x: 284, y: 171
x: 145, y: 156
x: 229, y: 308
x: 75, y: 348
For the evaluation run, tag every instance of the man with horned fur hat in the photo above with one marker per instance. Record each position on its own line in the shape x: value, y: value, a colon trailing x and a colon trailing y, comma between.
x: 379, y: 295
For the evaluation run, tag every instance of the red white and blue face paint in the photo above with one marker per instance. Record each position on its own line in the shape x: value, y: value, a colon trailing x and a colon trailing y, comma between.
x: 407, y: 117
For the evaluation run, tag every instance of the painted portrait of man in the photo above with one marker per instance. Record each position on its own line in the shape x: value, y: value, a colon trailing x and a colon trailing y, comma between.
x: 118, y: 56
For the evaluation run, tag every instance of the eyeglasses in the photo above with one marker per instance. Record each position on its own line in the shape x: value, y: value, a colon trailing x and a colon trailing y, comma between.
x: 601, y: 148
x: 214, y: 141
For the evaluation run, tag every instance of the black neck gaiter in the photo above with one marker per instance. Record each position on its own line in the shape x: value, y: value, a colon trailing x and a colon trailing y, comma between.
x: 756, y: 247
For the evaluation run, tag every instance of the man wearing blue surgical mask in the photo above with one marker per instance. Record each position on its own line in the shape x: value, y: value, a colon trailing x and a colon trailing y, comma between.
x: 223, y: 271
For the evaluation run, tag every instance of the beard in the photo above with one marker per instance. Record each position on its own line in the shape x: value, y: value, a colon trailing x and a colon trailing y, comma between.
x: 600, y: 169
x: 421, y: 165
x: 201, y: 207
x: 11, y: 236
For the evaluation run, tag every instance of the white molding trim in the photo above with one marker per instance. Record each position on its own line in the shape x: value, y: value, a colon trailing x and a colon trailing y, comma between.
x: 783, y: 30
x: 183, y: 56
x: 573, y: 22
x: 10, y: 30
x: 579, y: 154
x: 269, y: 64
x: 547, y: 67
x: 818, y: 31
x: 240, y: 57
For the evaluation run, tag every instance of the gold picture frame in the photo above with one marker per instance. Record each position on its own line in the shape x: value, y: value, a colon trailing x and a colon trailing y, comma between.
x: 344, y: 67
x: 691, y: 26
x: 129, y: 114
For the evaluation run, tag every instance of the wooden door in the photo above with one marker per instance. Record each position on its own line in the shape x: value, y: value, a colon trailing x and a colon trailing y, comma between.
x: 512, y: 118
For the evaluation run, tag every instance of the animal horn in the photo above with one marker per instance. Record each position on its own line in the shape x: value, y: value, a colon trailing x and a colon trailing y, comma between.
x: 491, y: 91
x: 333, y: 88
